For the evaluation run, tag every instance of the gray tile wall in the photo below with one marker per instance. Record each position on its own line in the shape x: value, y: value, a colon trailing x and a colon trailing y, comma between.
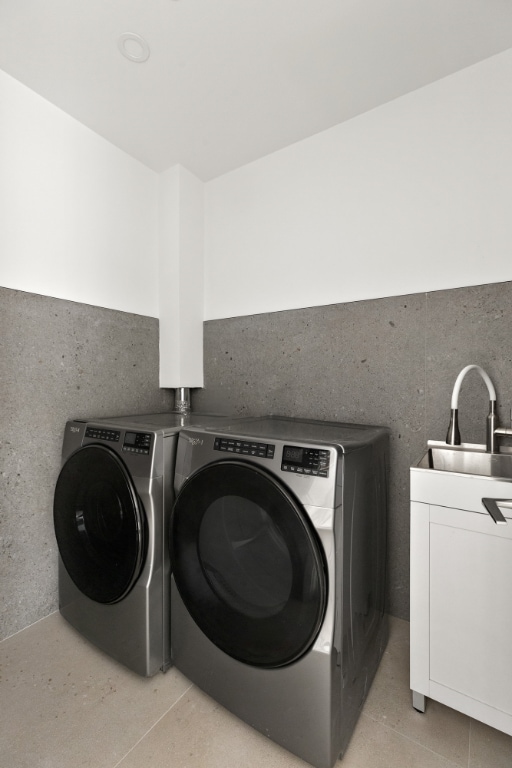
x: 58, y: 360
x: 390, y: 361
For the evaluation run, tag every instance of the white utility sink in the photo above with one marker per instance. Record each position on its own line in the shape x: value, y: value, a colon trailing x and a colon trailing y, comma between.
x: 461, y: 571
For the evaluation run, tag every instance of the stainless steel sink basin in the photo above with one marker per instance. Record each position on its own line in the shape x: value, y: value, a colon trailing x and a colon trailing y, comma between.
x: 469, y: 462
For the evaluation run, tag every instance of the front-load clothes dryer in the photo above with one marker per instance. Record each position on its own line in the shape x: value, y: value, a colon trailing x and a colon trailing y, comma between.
x: 278, y: 549
x: 112, y: 503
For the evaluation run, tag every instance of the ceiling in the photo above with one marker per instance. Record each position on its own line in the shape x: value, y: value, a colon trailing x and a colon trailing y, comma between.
x: 229, y: 81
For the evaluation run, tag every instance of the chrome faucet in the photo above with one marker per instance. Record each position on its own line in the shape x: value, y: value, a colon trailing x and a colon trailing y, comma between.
x: 453, y: 436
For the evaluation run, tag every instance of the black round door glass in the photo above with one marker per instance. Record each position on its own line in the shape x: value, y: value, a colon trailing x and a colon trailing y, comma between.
x: 99, y: 524
x: 245, y: 557
x: 248, y: 564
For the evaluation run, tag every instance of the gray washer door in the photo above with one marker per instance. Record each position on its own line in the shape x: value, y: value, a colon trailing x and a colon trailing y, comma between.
x: 100, y: 524
x: 248, y: 564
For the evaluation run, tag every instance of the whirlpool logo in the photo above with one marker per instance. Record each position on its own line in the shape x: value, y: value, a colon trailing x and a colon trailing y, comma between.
x: 194, y: 440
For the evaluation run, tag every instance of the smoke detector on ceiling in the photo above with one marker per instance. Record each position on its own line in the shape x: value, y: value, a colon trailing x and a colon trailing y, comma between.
x: 134, y: 47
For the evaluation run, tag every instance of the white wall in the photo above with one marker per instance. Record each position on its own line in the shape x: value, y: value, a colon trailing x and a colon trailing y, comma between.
x: 78, y: 217
x: 410, y: 197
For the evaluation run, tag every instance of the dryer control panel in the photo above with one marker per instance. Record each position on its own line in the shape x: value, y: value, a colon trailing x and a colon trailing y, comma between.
x: 305, y: 461
x: 246, y: 447
x: 103, y: 434
x: 137, y: 442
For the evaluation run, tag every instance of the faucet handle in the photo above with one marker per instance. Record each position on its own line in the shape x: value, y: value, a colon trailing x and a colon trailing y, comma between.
x: 491, y: 427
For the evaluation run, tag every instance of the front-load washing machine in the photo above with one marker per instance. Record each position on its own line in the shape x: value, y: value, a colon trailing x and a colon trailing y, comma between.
x: 278, y: 549
x: 112, y: 504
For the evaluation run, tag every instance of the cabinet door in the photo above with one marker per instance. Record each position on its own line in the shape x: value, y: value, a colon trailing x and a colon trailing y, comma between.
x: 471, y: 605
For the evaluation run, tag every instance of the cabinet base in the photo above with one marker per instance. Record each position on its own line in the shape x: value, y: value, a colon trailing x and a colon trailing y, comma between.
x: 419, y: 701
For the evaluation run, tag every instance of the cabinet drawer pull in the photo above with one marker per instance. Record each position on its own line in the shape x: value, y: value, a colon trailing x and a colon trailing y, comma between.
x: 491, y: 506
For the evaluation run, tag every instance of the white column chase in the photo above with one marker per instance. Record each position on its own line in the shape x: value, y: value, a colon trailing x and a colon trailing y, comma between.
x: 181, y: 269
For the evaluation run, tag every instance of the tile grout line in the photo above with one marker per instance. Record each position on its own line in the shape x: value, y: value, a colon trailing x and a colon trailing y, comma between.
x: 29, y: 626
x: 411, y: 740
x: 153, y: 726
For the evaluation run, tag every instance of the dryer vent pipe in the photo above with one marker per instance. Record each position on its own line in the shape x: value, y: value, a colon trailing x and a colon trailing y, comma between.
x: 182, y: 400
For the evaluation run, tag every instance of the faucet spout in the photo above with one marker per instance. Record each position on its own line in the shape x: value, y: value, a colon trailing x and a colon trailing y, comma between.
x: 453, y: 436
x: 460, y: 378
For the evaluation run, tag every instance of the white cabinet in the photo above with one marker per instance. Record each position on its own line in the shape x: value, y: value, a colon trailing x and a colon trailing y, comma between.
x: 461, y: 596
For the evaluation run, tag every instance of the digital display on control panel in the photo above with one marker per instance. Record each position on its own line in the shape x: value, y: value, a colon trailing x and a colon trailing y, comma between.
x: 129, y: 438
x: 291, y: 453
x: 305, y: 461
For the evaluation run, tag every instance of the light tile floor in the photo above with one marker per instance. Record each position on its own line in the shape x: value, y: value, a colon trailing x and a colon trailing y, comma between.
x: 65, y: 705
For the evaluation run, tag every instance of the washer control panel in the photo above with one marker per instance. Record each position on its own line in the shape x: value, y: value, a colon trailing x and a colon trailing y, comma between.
x: 305, y: 461
x: 133, y: 442
x: 137, y: 442
x: 103, y: 434
x: 244, y: 447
